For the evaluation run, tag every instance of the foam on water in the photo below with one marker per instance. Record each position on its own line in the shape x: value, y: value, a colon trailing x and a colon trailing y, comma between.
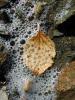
x: 43, y: 86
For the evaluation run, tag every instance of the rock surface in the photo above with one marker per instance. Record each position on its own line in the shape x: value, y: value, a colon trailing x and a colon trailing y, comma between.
x: 66, y: 82
x: 3, y: 94
x: 3, y: 53
x: 61, y: 10
x: 68, y: 95
x: 3, y: 2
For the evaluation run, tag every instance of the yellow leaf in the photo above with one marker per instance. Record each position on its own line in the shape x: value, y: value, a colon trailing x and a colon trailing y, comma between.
x: 39, y: 52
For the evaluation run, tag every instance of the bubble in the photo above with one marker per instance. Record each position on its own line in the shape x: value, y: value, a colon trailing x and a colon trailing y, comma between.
x: 26, y: 36
x: 12, y: 43
x: 31, y: 18
x: 29, y: 32
x: 21, y: 53
x: 22, y: 41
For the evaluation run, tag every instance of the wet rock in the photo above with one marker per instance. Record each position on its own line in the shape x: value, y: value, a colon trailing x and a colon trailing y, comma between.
x: 27, y: 85
x: 3, y: 2
x: 3, y: 30
x: 3, y: 68
x: 5, y: 17
x: 48, y: 1
x: 38, y: 8
x: 66, y: 82
x: 68, y: 95
x: 3, y: 94
x: 54, y: 33
x: 59, y: 10
x: 20, y: 14
x: 3, y: 53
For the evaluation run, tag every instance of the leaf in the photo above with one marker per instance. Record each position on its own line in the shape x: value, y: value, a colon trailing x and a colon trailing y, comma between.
x: 39, y: 52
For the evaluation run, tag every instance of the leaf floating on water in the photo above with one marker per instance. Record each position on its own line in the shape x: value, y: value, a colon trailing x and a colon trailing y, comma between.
x: 39, y: 52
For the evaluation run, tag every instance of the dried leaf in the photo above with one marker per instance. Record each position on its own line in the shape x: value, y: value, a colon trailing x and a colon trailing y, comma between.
x: 38, y: 53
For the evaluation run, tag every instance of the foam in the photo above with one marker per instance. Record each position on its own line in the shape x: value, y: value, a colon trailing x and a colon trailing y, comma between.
x: 43, y: 86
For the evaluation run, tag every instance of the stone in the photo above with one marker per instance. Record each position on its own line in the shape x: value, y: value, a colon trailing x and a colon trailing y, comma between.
x: 27, y: 85
x: 3, y: 94
x: 3, y: 2
x: 66, y: 82
x: 3, y: 53
x: 61, y: 10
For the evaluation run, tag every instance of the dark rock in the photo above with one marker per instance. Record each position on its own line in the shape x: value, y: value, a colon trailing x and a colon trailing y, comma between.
x: 3, y: 2
x: 3, y: 53
x: 68, y: 95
